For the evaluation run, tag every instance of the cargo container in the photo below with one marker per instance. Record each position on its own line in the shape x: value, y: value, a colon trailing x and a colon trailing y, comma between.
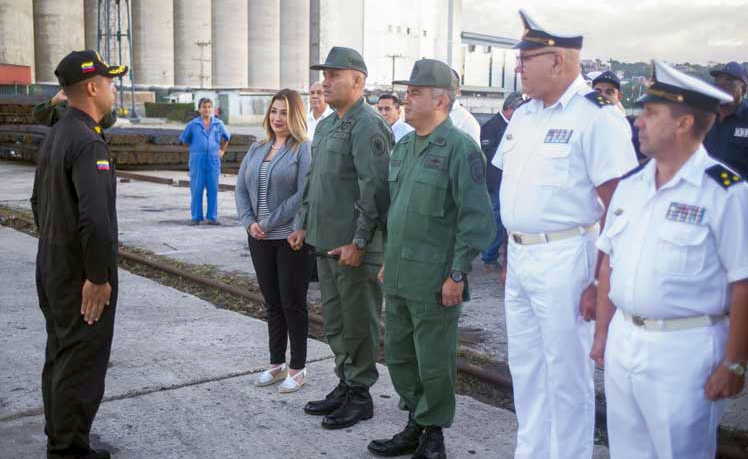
x: 15, y: 74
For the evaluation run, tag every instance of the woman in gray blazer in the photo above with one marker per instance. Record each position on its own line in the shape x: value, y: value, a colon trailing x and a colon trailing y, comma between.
x: 268, y: 194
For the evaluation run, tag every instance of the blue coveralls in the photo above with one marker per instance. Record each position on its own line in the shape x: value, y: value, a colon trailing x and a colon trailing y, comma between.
x: 205, y: 163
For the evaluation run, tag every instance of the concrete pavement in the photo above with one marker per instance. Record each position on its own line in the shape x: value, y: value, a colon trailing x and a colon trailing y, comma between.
x: 180, y: 382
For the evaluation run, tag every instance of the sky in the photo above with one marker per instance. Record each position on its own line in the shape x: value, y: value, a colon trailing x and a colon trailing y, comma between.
x: 695, y: 31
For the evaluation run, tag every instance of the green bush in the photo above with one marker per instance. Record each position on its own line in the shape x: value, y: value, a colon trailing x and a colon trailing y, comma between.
x: 174, y: 112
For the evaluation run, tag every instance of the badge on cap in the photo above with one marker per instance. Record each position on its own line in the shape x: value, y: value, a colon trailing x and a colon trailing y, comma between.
x: 88, y: 67
x: 685, y: 213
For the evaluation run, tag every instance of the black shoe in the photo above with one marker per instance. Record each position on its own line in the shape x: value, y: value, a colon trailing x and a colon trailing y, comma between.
x: 193, y: 222
x: 431, y: 445
x: 213, y: 222
x: 404, y: 442
x: 332, y: 401
x: 98, y: 454
x: 356, y: 407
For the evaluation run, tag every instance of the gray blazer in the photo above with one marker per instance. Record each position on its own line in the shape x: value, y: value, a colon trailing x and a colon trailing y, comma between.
x: 287, y: 178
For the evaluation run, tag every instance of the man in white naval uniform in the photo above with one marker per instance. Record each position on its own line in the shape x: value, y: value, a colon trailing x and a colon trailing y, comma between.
x: 676, y: 263
x: 561, y: 156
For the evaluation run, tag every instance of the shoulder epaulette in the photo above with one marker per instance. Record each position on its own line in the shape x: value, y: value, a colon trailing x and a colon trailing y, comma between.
x: 723, y: 176
x: 635, y: 170
x: 597, y: 99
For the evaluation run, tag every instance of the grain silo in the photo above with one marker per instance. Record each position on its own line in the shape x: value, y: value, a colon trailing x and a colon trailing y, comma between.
x: 153, y: 42
x: 58, y: 30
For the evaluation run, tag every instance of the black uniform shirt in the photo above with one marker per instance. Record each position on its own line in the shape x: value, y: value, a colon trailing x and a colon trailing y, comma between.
x: 74, y: 197
x: 490, y: 136
x: 727, y: 141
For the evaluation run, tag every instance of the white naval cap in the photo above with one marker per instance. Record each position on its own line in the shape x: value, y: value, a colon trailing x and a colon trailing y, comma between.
x: 671, y: 85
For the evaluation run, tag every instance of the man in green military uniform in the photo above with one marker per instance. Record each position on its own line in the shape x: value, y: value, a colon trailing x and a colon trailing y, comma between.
x: 439, y: 220
x: 51, y: 111
x: 342, y: 214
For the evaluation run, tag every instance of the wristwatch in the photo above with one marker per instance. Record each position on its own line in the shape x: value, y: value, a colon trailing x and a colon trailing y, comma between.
x: 360, y: 243
x: 457, y: 276
x: 736, y: 368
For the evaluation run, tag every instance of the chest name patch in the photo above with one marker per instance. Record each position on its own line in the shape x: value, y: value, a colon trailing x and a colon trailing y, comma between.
x: 102, y: 165
x: 558, y: 135
x: 741, y: 132
x: 685, y: 213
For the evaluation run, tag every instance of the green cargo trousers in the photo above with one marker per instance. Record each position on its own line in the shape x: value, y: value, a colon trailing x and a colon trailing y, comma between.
x: 351, y: 303
x: 420, y: 347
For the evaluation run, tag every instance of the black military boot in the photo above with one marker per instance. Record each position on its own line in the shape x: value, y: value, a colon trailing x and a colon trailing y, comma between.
x: 404, y: 442
x: 357, y: 407
x: 332, y: 401
x: 431, y: 445
x: 97, y: 454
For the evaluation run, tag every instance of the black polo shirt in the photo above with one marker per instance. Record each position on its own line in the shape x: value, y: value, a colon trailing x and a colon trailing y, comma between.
x: 490, y: 136
x: 727, y: 141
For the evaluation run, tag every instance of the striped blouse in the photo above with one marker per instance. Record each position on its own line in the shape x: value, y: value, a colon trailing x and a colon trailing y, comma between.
x: 281, y: 231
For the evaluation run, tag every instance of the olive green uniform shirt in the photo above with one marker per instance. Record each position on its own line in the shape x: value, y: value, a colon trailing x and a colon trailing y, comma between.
x: 346, y: 194
x: 48, y: 114
x: 440, y: 216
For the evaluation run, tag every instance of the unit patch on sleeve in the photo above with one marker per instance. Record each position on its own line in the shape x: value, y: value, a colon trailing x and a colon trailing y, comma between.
x: 102, y: 165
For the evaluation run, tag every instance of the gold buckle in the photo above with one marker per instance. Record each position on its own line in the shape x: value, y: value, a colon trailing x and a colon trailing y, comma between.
x: 638, y: 320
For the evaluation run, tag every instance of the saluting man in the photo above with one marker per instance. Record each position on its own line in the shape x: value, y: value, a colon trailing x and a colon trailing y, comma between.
x: 440, y: 218
x: 675, y: 265
x: 76, y: 267
x: 342, y: 214
x: 561, y: 156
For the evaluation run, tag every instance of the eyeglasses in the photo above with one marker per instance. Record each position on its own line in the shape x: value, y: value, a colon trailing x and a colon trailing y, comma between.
x: 522, y: 60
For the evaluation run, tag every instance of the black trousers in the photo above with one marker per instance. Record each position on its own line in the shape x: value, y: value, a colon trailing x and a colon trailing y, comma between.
x: 283, y: 275
x: 77, y: 354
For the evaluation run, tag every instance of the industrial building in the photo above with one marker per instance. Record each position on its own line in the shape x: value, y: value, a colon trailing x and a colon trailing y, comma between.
x: 246, y: 48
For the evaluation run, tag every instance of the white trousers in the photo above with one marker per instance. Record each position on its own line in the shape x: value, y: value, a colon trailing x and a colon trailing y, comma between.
x: 549, y: 345
x: 654, y: 387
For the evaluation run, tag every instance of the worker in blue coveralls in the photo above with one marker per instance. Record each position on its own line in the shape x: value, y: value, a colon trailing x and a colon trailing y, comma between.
x: 207, y: 138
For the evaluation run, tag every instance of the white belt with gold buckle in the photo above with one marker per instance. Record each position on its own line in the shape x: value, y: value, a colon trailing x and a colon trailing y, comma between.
x: 544, y: 238
x: 681, y: 323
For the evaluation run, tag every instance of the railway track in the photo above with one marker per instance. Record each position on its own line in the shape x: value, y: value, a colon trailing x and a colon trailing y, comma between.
x: 478, y: 375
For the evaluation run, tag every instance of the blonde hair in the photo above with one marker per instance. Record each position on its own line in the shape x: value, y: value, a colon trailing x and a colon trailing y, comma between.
x: 296, y: 118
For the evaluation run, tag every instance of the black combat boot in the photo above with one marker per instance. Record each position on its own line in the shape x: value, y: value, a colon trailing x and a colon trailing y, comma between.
x: 404, y: 442
x: 332, y: 401
x: 431, y: 445
x: 357, y: 407
x: 98, y: 454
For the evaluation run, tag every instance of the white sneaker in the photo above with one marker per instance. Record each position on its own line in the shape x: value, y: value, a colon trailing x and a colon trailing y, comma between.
x: 293, y: 383
x: 271, y: 375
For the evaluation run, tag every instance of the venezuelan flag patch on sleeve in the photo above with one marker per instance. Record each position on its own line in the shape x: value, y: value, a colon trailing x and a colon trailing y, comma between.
x: 102, y: 165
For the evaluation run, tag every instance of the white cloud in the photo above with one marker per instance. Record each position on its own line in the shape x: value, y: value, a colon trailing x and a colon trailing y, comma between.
x: 634, y: 30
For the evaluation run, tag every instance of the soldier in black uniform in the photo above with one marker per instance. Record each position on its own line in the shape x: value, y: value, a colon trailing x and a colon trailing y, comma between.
x: 727, y: 140
x: 76, y: 266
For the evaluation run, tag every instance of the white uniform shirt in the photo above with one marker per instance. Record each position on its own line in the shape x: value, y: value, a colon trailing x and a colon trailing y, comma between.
x: 674, y: 250
x: 465, y: 121
x: 400, y: 128
x: 311, y: 123
x: 553, y: 158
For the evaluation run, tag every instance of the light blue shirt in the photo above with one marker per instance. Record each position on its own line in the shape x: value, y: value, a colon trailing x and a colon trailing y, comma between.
x: 201, y: 140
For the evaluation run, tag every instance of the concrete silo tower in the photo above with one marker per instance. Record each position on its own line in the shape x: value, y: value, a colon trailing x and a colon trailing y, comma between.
x: 153, y: 42
x: 229, y: 43
x: 264, y: 44
x: 192, y: 43
x: 58, y: 30
x: 294, y: 44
